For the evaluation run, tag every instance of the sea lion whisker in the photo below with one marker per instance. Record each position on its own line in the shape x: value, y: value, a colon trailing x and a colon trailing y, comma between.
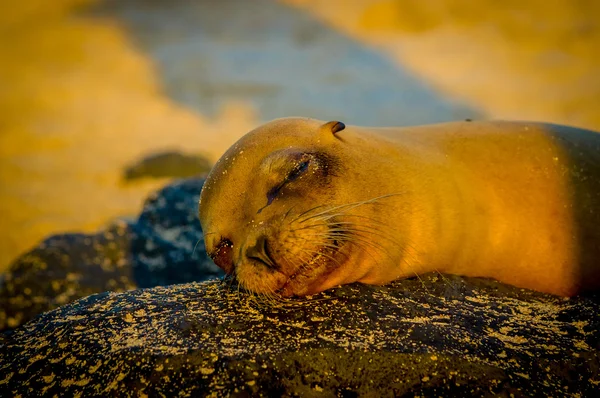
x: 366, y: 228
x: 239, y: 297
x: 337, y: 263
x: 268, y: 299
x: 310, y: 226
x: 347, y: 236
x: 354, y: 237
x: 350, y: 236
x: 298, y: 267
x: 262, y: 300
x: 331, y: 246
x: 377, y: 233
x: 195, y: 246
x: 344, y: 236
x: 257, y: 300
x: 363, y: 233
x: 325, y: 223
x: 227, y: 281
x: 287, y: 213
x: 233, y: 280
x: 293, y: 256
x: 446, y: 280
x: 366, y: 244
x: 313, y: 256
x: 325, y: 216
x: 311, y: 209
x: 350, y: 206
x: 326, y: 212
x: 370, y: 219
x: 422, y: 283
x: 308, y: 264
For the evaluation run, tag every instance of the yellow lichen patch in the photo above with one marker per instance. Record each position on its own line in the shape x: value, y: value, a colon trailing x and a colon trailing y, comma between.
x: 581, y: 345
x: 207, y: 371
x: 6, y: 378
x: 509, y: 340
x: 94, y: 368
x: 69, y: 382
x: 70, y: 360
x: 128, y: 318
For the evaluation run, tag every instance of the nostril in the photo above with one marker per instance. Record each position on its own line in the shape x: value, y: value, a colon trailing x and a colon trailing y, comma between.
x: 222, y: 255
x: 260, y: 251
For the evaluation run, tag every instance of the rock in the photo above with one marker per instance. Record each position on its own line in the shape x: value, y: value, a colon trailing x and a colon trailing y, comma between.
x: 168, y: 245
x: 64, y: 268
x: 157, y: 249
x: 168, y: 164
x: 430, y: 336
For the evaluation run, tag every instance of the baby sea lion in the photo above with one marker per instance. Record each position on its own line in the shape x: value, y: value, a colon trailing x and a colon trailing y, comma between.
x: 298, y: 205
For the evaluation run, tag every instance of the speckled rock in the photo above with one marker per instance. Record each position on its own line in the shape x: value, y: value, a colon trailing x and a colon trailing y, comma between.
x: 64, y: 268
x: 430, y: 336
x: 155, y: 250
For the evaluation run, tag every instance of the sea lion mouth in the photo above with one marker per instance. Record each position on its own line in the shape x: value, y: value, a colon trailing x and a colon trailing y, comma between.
x: 324, y: 261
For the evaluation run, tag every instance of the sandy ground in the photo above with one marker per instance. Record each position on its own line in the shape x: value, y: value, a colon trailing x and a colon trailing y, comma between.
x: 89, y: 87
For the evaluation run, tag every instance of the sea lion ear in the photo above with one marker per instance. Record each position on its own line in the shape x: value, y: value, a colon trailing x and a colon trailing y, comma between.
x: 333, y: 127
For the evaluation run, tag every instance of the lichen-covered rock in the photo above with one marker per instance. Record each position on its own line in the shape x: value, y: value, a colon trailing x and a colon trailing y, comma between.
x: 64, y: 268
x: 430, y: 336
x: 157, y: 249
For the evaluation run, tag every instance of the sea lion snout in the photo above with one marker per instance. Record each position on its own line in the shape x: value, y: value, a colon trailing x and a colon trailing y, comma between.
x: 222, y: 255
x: 259, y: 250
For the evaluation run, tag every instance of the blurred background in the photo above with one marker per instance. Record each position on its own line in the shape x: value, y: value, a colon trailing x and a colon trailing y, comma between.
x: 91, y: 87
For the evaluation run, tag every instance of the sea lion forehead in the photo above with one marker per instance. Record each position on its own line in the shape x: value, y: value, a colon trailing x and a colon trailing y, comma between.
x: 279, y: 134
x: 252, y: 149
x: 284, y: 129
x: 228, y: 180
x: 293, y: 129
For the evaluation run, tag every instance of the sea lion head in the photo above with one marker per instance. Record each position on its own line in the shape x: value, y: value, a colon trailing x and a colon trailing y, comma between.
x: 283, y: 210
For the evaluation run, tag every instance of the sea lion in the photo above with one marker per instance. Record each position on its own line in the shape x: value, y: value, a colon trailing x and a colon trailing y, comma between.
x: 298, y: 205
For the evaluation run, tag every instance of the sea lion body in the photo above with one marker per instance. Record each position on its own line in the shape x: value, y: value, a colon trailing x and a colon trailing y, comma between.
x: 298, y: 205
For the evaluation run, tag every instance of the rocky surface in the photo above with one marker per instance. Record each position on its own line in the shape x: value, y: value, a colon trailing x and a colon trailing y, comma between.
x: 154, y: 250
x: 431, y: 336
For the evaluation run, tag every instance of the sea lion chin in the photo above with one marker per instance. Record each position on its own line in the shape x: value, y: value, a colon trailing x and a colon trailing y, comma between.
x: 298, y: 205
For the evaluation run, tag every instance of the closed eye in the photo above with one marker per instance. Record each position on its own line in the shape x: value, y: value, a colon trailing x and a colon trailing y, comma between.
x: 297, y: 171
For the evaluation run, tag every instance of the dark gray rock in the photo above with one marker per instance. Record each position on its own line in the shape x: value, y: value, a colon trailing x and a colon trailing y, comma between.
x: 64, y: 268
x: 430, y: 336
x: 155, y: 250
x: 168, y: 164
x: 168, y: 246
